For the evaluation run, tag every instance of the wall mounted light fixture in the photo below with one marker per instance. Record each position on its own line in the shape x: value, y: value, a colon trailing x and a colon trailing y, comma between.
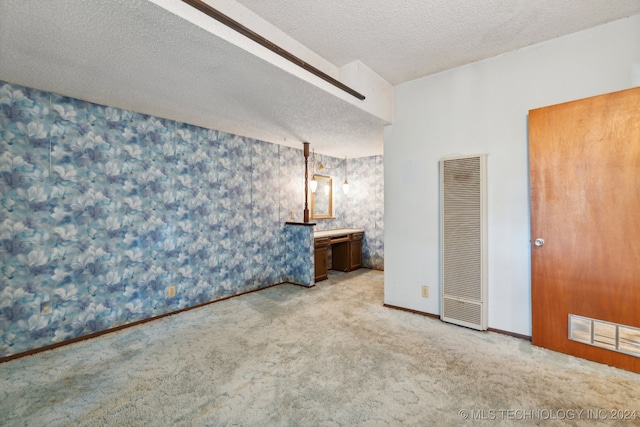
x: 313, y: 184
x: 345, y: 186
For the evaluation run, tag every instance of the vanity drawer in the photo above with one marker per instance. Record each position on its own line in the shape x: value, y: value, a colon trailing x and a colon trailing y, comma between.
x: 339, y: 239
x: 357, y: 236
x: 321, y: 242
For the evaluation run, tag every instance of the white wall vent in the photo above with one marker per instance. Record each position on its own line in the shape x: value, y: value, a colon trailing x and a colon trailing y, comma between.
x: 463, y: 252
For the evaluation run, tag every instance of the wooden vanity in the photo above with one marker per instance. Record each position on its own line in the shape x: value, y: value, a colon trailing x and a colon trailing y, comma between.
x: 346, y: 250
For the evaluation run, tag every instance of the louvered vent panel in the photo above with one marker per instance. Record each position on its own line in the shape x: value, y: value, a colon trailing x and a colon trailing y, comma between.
x: 462, y: 248
x: 467, y: 312
x: 461, y: 221
x: 599, y: 333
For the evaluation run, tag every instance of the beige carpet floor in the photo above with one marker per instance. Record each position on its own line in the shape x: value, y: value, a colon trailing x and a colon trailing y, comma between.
x: 331, y: 355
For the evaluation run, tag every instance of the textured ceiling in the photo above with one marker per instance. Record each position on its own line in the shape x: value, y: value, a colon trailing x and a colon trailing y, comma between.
x: 406, y: 39
x: 136, y: 55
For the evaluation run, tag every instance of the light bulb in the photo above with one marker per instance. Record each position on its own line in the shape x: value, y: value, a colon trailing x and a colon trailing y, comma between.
x: 345, y: 187
x: 314, y: 185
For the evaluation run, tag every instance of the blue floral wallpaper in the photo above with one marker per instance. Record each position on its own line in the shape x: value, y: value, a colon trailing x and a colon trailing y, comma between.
x: 362, y: 206
x: 103, y: 210
x: 299, y: 265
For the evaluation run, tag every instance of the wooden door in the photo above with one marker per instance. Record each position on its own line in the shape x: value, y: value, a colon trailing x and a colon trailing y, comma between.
x: 585, y: 203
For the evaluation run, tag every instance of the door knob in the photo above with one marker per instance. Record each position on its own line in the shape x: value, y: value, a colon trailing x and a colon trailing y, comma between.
x: 538, y: 242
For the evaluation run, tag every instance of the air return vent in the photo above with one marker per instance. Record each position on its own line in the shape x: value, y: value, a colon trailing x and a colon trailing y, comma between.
x: 612, y: 336
x: 463, y: 241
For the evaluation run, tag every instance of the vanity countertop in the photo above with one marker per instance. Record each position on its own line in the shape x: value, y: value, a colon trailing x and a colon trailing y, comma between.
x: 336, y: 232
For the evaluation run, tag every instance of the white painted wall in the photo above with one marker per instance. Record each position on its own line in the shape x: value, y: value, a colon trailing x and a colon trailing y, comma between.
x: 482, y: 108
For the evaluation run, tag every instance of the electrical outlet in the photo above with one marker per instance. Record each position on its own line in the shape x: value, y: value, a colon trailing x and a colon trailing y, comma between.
x: 425, y: 292
x: 171, y: 291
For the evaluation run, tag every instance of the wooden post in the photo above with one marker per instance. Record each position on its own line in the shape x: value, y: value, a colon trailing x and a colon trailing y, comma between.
x: 306, y: 181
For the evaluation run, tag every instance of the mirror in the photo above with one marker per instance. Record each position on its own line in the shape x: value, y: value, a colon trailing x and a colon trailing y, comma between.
x: 322, y: 199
